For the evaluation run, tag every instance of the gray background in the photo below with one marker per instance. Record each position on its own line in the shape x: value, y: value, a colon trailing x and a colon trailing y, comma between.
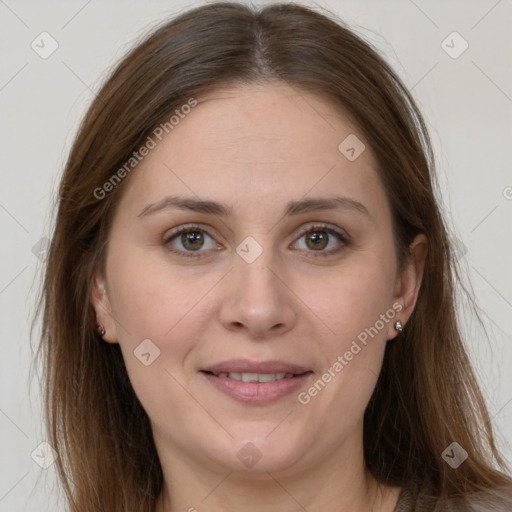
x: 467, y: 102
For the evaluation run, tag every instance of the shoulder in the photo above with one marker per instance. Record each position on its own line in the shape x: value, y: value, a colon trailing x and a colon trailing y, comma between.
x: 420, y: 499
x: 494, y: 500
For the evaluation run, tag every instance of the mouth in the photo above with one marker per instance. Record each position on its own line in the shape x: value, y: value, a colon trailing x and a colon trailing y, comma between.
x: 255, y: 377
x: 256, y: 383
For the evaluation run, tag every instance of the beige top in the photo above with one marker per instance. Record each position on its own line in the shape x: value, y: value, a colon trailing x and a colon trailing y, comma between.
x: 413, y: 499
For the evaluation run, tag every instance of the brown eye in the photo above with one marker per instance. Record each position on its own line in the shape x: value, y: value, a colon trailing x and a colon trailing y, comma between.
x: 317, y: 240
x: 322, y: 240
x: 192, y: 240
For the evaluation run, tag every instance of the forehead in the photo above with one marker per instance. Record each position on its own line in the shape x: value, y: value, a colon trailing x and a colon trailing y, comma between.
x: 248, y: 122
x: 260, y: 142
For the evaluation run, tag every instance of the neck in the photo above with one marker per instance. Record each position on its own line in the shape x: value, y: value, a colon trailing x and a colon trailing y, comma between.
x: 332, y: 486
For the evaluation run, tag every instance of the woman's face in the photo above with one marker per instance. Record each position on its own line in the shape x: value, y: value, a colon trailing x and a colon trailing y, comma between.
x: 286, y: 266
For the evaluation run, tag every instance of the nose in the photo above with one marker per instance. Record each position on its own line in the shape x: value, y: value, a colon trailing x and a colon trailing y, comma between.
x: 257, y: 301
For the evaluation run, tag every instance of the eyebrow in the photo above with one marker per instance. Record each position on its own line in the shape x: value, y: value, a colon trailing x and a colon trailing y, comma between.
x: 205, y: 206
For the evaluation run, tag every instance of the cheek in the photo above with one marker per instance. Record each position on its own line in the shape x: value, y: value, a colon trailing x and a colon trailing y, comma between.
x: 353, y: 296
x: 160, y: 302
x: 152, y: 296
x: 356, y: 304
x: 156, y: 302
x: 141, y: 304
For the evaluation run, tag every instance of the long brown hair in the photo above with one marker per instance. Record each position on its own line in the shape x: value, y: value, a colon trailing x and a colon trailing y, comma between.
x: 426, y: 396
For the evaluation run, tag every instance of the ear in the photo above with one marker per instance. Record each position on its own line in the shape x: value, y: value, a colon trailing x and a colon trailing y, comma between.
x: 408, y: 281
x: 103, y: 309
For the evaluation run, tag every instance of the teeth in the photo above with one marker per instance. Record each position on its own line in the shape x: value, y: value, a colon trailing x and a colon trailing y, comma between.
x: 266, y: 377
x: 250, y: 377
x: 255, y: 377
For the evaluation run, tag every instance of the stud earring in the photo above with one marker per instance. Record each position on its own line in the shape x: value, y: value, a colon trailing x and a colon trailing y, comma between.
x: 398, y: 326
x: 101, y: 331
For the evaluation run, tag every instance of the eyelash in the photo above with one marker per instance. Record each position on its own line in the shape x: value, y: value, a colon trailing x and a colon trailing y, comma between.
x: 316, y: 227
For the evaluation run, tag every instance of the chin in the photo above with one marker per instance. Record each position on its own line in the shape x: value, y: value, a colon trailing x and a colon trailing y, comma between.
x: 259, y: 454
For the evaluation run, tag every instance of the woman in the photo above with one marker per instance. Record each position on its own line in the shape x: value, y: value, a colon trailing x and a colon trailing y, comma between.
x: 249, y: 297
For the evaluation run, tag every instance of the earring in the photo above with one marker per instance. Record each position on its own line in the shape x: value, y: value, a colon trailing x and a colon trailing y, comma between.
x: 101, y: 331
x: 398, y: 326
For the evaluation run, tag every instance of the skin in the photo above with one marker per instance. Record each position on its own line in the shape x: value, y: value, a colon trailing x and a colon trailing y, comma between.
x: 255, y: 148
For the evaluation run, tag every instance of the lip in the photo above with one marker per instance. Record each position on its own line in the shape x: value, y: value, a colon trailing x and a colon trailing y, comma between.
x: 257, y: 393
x: 247, y: 366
